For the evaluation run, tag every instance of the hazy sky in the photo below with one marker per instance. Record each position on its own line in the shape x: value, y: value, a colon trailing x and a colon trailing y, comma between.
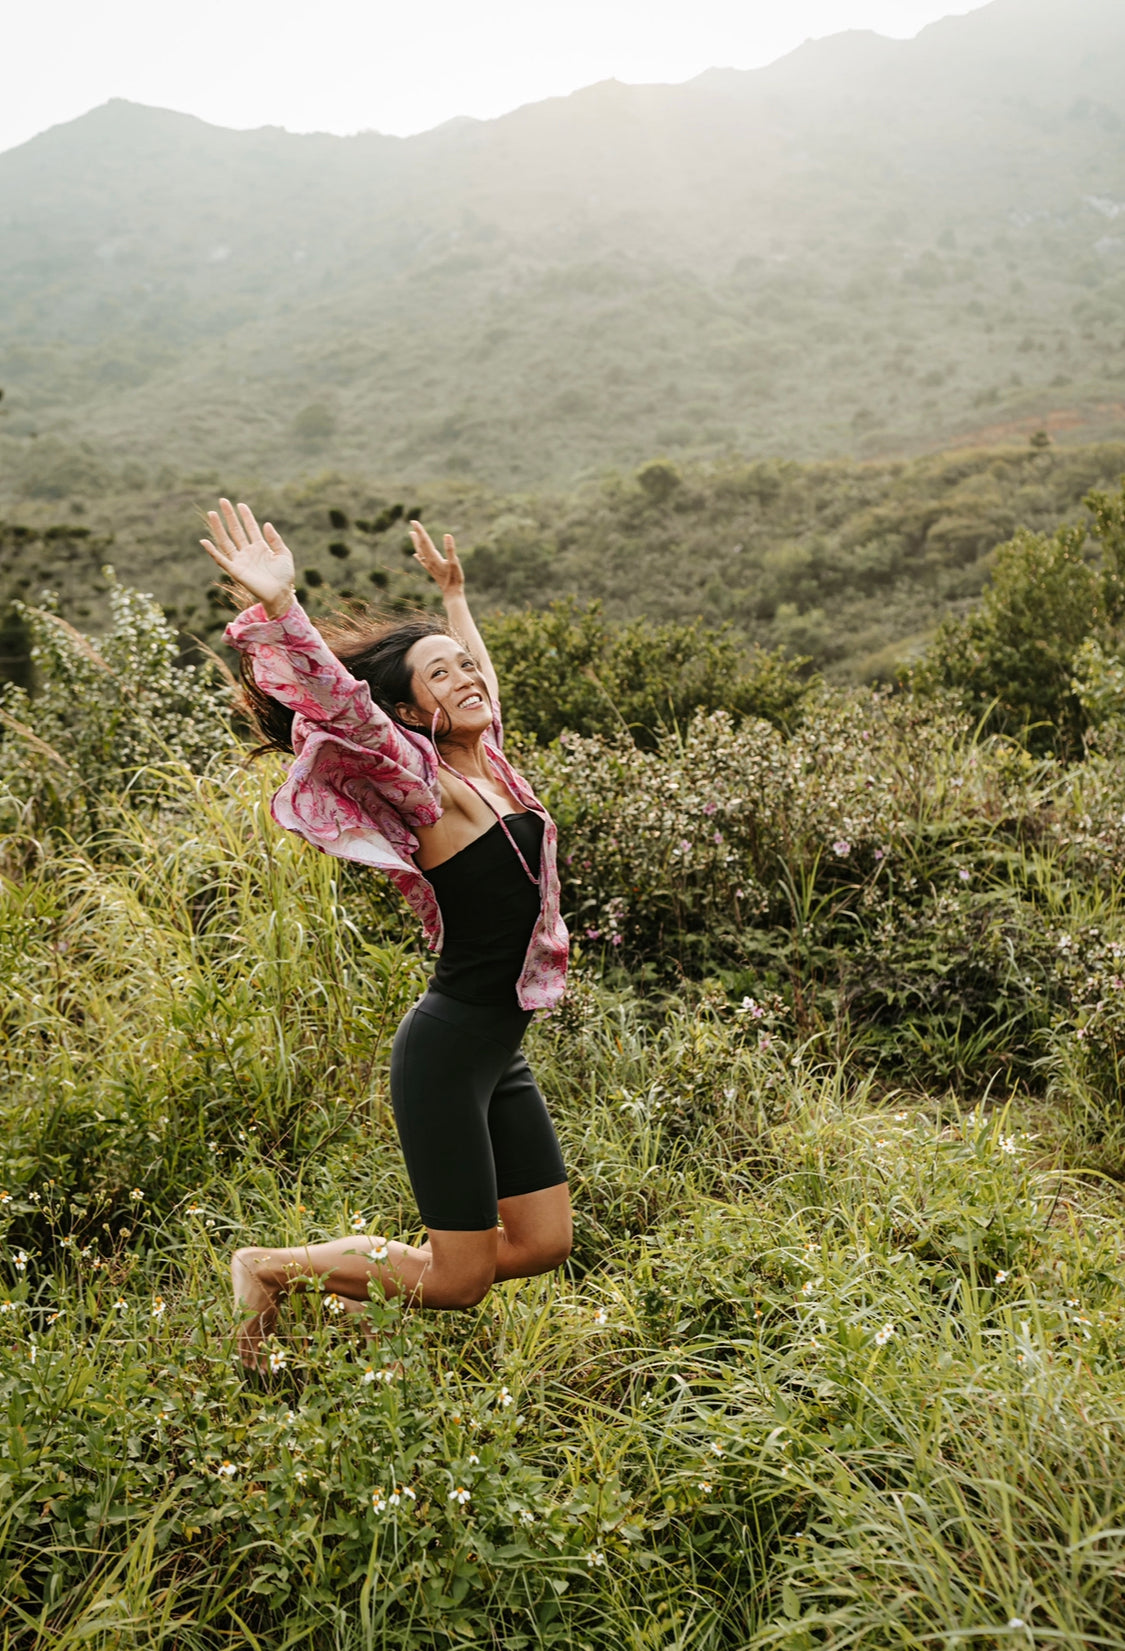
x: 347, y: 65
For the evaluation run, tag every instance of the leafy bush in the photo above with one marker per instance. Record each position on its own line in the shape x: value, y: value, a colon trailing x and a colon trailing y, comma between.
x: 826, y: 1365
x: 569, y: 669
x: 1015, y: 656
x: 108, y: 712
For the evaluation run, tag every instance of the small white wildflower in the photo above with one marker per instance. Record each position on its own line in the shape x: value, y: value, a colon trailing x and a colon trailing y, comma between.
x: 459, y: 1495
x: 379, y: 1249
x: 136, y: 1195
x: 333, y: 1304
x: 1001, y: 1277
x: 5, y: 1198
x: 841, y: 847
x: 370, y: 1375
x: 715, y: 1448
x: 526, y: 1518
x: 300, y: 1476
x: 21, y: 1261
x: 1007, y: 1143
x: 226, y: 1471
x: 277, y: 1361
x: 194, y: 1209
x: 8, y: 1306
x: 396, y: 1496
x: 808, y: 1287
x: 120, y: 1304
x: 505, y: 1398
x: 883, y: 1336
x: 358, y: 1222
x: 378, y: 1501
x: 705, y: 1486
x: 601, y: 1316
x: 1016, y: 1622
x: 594, y: 1558
x: 158, y: 1305
x: 32, y: 1352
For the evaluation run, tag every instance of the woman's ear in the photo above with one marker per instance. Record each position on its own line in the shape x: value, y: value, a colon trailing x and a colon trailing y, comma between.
x: 409, y: 714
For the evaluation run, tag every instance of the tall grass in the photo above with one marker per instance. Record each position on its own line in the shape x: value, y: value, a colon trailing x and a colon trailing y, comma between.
x: 832, y: 1365
x: 837, y: 1360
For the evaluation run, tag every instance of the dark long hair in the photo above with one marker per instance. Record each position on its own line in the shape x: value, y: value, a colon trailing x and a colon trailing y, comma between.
x: 374, y: 650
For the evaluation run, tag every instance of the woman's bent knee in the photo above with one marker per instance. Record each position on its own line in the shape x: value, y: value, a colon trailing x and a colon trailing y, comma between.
x: 469, y: 1292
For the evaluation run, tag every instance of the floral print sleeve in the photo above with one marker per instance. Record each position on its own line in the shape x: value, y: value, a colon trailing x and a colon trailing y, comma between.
x: 292, y: 663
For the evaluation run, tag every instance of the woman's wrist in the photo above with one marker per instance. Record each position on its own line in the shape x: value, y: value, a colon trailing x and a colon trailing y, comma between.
x: 278, y: 606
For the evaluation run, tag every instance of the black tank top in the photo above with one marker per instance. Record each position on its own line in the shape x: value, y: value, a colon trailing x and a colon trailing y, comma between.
x: 489, y: 908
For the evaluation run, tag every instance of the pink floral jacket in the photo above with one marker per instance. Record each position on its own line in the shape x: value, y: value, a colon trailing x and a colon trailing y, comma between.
x: 360, y: 785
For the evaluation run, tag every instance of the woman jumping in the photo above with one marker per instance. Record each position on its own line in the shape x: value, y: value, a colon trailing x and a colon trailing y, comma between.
x: 397, y: 738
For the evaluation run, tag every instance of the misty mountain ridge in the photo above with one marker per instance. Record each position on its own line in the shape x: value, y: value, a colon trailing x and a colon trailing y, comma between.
x: 869, y: 246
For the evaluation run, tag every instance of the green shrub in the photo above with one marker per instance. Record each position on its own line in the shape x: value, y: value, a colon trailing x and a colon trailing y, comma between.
x: 569, y: 669
x: 1014, y: 658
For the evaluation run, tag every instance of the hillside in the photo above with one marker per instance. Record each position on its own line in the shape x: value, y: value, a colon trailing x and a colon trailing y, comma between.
x: 870, y: 247
x: 849, y: 563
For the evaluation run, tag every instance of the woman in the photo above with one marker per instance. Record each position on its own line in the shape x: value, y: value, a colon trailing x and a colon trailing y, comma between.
x: 396, y: 733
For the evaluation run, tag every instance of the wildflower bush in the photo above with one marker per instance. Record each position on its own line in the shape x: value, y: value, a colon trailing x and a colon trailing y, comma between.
x: 837, y: 1356
x: 108, y: 712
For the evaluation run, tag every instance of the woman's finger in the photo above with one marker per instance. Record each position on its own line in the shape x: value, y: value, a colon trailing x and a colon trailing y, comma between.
x: 219, y: 529
x: 253, y: 531
x: 274, y: 540
x: 216, y: 555
x: 422, y: 539
x: 234, y: 526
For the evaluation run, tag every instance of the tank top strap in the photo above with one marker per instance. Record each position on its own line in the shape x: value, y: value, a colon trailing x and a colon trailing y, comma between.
x: 489, y: 805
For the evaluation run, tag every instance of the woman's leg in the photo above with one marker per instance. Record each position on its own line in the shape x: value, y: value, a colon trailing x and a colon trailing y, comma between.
x: 534, y: 1197
x: 454, y: 1269
x: 537, y: 1233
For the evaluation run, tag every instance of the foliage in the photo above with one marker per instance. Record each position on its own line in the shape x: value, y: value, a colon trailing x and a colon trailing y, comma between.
x: 832, y: 1359
x: 810, y: 1350
x: 850, y: 564
x: 568, y: 669
x: 108, y: 713
x: 1015, y: 656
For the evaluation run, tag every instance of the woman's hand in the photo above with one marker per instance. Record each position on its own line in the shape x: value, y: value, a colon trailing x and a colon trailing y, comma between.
x: 255, y: 558
x: 446, y: 571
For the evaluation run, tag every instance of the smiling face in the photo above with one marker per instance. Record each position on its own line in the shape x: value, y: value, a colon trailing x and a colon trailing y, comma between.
x: 446, y: 678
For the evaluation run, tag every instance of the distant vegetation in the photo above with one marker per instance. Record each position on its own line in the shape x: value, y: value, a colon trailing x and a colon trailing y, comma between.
x: 849, y: 566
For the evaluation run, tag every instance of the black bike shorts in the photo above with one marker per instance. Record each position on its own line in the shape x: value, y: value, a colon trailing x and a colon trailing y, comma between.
x: 473, y: 1125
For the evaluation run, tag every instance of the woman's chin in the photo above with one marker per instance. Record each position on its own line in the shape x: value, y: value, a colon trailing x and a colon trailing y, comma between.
x: 476, y: 719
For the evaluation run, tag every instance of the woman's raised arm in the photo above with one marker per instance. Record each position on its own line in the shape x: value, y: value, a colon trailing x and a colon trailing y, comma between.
x: 291, y: 660
x: 256, y: 558
x: 449, y: 576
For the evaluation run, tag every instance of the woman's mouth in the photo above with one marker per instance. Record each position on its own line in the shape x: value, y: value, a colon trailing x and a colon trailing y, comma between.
x: 470, y: 703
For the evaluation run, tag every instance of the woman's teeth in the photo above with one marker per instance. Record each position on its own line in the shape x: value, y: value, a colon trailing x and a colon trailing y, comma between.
x: 473, y: 699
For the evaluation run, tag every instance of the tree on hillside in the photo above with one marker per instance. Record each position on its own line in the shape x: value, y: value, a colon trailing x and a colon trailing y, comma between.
x: 1014, y: 657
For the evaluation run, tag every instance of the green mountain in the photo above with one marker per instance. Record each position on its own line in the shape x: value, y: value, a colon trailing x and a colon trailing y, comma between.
x: 871, y: 247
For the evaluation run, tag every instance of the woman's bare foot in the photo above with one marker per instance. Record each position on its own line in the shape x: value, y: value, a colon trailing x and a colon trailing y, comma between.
x: 254, y: 1294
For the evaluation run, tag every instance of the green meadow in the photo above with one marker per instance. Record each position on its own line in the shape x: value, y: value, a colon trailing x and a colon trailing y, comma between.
x: 837, y: 1360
